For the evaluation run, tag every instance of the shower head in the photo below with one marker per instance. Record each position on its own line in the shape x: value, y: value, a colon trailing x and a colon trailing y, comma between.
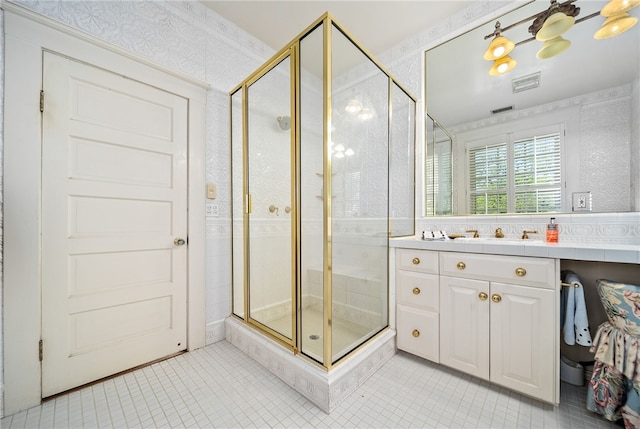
x: 284, y: 122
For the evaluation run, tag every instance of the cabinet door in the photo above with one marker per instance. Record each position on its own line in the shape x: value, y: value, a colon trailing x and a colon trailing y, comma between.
x: 522, y: 339
x: 464, y: 325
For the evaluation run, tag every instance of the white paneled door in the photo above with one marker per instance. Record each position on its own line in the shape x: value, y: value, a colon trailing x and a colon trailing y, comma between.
x: 114, y: 224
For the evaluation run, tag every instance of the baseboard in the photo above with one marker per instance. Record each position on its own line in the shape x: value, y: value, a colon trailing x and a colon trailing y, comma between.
x: 215, y: 332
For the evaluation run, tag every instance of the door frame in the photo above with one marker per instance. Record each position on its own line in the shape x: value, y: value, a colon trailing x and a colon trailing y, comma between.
x: 27, y: 35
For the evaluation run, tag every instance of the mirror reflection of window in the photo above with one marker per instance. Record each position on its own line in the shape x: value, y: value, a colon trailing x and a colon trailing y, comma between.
x: 515, y: 174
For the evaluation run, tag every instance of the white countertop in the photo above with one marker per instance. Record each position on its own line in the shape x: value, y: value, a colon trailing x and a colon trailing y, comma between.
x: 602, y: 252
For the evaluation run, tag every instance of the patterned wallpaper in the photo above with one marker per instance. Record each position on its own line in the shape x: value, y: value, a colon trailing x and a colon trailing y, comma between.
x: 187, y: 37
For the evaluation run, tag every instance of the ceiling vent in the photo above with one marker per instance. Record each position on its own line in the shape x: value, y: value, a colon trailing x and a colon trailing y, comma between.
x: 525, y: 83
x: 502, y: 109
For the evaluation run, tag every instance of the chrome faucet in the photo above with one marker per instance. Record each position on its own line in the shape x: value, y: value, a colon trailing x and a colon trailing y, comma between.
x: 475, y: 232
x: 525, y: 234
x: 499, y: 233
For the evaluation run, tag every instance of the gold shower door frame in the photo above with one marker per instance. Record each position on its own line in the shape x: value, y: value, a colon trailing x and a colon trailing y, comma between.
x: 292, y: 51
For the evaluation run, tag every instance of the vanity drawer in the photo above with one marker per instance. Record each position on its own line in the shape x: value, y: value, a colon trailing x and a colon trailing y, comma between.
x: 423, y: 261
x: 417, y: 332
x: 538, y: 272
x: 418, y: 289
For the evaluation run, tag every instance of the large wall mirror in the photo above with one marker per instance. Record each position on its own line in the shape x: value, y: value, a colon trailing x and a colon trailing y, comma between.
x: 558, y: 134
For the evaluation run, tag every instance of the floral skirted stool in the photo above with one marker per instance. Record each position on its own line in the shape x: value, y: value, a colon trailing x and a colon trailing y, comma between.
x: 614, y: 389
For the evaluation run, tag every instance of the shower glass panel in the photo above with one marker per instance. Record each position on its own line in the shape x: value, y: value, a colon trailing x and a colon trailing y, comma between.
x: 311, y: 336
x: 401, y: 161
x: 314, y: 197
x: 237, y: 205
x: 359, y: 196
x: 269, y: 188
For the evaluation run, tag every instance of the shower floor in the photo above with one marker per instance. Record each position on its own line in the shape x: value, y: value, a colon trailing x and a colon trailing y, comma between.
x: 346, y: 335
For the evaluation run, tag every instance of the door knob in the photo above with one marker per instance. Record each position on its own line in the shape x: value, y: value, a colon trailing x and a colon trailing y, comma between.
x: 178, y: 242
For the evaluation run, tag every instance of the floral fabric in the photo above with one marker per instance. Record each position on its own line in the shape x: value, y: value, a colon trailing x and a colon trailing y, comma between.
x: 614, y: 389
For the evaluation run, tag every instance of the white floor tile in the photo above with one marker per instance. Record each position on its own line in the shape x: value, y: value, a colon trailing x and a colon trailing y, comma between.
x: 219, y: 386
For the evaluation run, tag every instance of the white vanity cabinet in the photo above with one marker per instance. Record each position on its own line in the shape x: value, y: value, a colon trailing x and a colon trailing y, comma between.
x: 498, y: 320
x: 417, y: 295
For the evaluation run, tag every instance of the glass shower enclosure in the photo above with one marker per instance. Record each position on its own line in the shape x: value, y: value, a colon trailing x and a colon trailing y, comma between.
x: 438, y: 169
x: 322, y: 151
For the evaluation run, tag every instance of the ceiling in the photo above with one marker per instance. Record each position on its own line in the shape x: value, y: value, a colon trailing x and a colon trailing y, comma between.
x: 463, y: 90
x: 377, y: 25
x: 460, y: 89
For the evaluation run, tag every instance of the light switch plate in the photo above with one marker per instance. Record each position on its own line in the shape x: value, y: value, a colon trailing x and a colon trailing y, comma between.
x: 581, y: 201
x: 211, y: 191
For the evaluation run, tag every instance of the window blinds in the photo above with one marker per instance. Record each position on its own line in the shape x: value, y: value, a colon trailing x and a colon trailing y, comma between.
x: 534, y: 164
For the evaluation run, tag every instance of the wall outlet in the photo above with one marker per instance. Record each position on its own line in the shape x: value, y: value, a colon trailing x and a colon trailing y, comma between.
x: 581, y: 201
x: 211, y: 210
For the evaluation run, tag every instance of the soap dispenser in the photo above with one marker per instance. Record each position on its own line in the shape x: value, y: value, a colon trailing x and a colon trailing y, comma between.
x: 552, y: 231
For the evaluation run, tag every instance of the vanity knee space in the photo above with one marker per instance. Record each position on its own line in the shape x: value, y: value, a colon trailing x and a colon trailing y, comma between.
x: 491, y: 316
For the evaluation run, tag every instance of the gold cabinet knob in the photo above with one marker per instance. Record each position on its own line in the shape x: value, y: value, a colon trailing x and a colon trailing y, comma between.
x: 461, y: 265
x: 415, y: 333
x: 483, y: 296
x: 416, y: 291
x: 496, y: 298
x: 179, y: 242
x: 416, y: 261
x: 521, y: 272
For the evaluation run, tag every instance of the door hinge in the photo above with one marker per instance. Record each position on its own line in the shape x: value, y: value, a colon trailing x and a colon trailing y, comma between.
x: 40, y: 350
x: 41, y: 101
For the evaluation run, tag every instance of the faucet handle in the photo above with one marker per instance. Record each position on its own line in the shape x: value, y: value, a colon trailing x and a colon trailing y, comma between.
x: 525, y: 234
x: 475, y: 232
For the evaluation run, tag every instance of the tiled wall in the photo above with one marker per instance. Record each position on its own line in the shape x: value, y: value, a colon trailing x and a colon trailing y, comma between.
x: 605, y: 168
x: 606, y: 228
